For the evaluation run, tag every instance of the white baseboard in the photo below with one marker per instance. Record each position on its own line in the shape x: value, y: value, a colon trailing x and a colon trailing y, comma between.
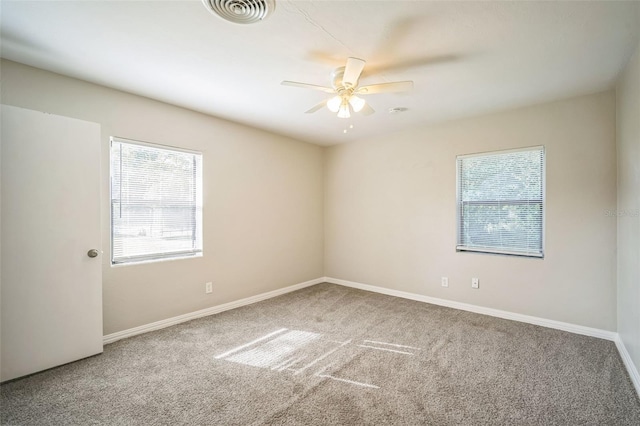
x: 110, y: 338
x: 628, y: 362
x: 572, y: 328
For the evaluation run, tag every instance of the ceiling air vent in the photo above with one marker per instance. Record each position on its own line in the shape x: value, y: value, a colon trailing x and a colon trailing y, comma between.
x: 241, y: 11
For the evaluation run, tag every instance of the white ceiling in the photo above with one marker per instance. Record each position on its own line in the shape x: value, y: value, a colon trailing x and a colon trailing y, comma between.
x: 466, y: 58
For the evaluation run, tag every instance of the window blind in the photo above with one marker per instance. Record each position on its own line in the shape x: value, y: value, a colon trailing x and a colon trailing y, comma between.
x: 501, y: 202
x: 156, y: 202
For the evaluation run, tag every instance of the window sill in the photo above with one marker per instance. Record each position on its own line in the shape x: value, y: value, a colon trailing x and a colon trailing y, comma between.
x: 148, y: 261
x: 500, y: 252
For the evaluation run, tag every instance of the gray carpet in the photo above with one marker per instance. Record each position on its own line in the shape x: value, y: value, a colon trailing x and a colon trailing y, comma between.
x: 333, y: 355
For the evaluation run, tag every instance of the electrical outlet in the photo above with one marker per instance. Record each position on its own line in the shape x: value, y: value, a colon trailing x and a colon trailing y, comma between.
x: 444, y: 281
x: 475, y: 283
x: 208, y: 288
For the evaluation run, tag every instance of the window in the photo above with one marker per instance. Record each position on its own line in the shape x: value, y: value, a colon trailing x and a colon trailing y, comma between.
x: 156, y: 202
x: 501, y: 202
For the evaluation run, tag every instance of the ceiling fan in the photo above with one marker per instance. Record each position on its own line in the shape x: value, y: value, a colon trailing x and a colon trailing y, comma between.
x: 344, y: 85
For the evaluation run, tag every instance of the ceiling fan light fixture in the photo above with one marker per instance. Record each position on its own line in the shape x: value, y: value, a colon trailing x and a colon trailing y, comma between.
x: 344, y: 112
x: 356, y: 103
x: 334, y: 103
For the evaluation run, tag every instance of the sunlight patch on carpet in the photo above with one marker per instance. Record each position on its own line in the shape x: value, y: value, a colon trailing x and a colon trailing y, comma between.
x: 304, y: 351
x: 272, y: 353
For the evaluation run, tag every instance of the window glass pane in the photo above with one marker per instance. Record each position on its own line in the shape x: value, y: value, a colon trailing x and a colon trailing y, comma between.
x: 500, y: 202
x: 156, y: 202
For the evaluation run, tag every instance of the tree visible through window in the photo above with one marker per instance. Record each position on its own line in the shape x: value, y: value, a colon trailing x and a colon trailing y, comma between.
x: 156, y: 202
x: 501, y: 202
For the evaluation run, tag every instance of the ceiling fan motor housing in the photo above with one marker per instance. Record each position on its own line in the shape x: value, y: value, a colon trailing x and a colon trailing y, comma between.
x: 337, y: 82
x: 241, y: 11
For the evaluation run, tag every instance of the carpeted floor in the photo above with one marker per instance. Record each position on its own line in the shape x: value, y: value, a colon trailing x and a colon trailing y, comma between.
x: 333, y: 355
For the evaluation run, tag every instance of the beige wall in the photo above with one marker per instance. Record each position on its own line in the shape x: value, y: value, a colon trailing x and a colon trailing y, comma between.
x: 389, y: 207
x: 263, y: 204
x: 390, y: 213
x: 628, y: 144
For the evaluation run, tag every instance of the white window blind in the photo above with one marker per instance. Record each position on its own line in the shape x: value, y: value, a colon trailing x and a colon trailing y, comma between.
x: 156, y: 202
x: 501, y: 202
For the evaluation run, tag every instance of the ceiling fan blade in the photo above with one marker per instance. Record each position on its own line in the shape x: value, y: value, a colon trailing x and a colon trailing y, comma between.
x: 352, y: 71
x: 308, y: 86
x: 397, y: 86
x: 367, y: 110
x: 316, y: 107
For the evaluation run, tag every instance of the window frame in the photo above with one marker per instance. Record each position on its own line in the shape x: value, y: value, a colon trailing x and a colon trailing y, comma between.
x: 142, y: 259
x: 486, y: 250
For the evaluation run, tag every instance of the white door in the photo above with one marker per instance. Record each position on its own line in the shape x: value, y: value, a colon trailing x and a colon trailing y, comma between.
x: 51, y: 290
